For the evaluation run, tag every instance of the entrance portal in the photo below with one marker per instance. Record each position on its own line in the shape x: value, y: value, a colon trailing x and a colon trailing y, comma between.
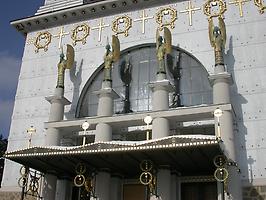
x: 133, y: 192
x: 199, y: 191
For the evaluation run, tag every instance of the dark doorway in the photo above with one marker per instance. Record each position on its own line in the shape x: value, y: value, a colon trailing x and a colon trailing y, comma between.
x: 134, y: 192
x: 199, y: 191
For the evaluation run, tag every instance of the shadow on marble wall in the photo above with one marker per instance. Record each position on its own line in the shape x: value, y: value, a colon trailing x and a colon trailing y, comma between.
x: 75, y: 75
x: 238, y: 101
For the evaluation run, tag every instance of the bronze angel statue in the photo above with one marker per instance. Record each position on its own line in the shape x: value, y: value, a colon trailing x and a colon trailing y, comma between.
x: 64, y: 64
x: 110, y: 57
x: 163, y: 48
x: 217, y: 37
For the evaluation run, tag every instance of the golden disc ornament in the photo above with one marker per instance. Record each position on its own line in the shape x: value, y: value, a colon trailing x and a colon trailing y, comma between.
x: 210, y: 4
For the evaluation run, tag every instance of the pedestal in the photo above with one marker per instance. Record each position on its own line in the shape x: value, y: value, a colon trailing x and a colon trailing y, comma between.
x: 160, y: 101
x: 105, y: 108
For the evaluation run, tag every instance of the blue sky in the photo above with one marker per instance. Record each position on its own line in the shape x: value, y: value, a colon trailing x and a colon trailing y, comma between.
x: 11, y: 50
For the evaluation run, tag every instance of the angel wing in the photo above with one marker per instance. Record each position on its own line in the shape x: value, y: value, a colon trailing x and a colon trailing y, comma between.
x: 168, y: 40
x: 211, y: 29
x: 223, y: 29
x: 157, y: 38
x: 70, y: 56
x: 116, y: 48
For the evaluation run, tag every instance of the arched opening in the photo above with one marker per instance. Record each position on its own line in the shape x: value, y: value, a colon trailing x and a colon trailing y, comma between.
x: 189, y: 77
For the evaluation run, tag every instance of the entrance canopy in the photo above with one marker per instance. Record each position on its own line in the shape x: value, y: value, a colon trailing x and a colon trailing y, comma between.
x: 187, y: 154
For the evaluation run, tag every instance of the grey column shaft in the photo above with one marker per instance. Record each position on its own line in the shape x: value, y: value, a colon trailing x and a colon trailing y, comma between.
x: 58, y: 102
x: 220, y: 191
x: 176, y: 187
x: 160, y: 128
x: 164, y: 184
x: 221, y: 94
x: 103, y: 132
x: 105, y: 106
x: 63, y: 190
x: 116, y: 188
x: 49, y: 187
x: 102, y: 189
x: 160, y: 101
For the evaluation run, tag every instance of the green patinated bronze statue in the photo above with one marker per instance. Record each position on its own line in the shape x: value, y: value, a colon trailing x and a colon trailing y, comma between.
x: 110, y: 57
x: 217, y: 37
x: 163, y: 48
x: 64, y: 64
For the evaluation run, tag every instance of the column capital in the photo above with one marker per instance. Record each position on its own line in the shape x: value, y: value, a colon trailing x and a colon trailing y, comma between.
x: 223, y: 76
x: 162, y: 85
x: 107, y: 92
x: 58, y: 99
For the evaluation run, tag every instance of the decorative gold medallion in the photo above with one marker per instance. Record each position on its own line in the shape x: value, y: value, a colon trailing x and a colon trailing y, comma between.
x: 166, y: 17
x: 42, y: 41
x: 80, y: 34
x: 121, y: 25
x: 210, y: 5
x: 260, y: 5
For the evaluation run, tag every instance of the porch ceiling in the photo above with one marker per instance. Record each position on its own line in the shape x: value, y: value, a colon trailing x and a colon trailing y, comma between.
x: 188, y: 155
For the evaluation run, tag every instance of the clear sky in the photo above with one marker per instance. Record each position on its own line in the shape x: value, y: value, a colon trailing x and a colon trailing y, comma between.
x: 11, y: 50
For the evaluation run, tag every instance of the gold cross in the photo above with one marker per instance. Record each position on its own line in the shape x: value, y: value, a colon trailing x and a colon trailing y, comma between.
x: 100, y: 27
x: 190, y: 10
x: 143, y: 18
x: 60, y: 35
x: 240, y: 4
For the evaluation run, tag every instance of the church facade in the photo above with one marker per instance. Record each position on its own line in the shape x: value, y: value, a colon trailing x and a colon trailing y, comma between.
x: 140, y: 99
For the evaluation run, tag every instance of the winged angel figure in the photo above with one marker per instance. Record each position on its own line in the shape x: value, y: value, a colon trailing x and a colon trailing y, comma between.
x: 64, y: 64
x: 163, y: 48
x: 110, y: 57
x: 217, y: 37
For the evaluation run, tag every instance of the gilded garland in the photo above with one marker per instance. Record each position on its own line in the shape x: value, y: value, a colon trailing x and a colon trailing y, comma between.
x: 260, y: 5
x: 213, y: 3
x: 42, y: 41
x: 162, y: 14
x: 121, y: 25
x: 80, y: 34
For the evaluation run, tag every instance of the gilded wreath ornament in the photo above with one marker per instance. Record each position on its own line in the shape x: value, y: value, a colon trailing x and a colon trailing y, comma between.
x: 163, y: 12
x: 211, y: 3
x: 42, y: 41
x: 126, y: 20
x: 80, y: 34
x: 260, y: 5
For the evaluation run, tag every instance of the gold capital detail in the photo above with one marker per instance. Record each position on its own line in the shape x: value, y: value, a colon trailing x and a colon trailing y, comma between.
x: 100, y: 28
x: 80, y: 34
x: 166, y: 17
x: 190, y: 10
x: 240, y: 4
x: 121, y: 25
x: 60, y: 36
x: 260, y: 5
x: 210, y: 5
x: 143, y: 19
x: 42, y: 41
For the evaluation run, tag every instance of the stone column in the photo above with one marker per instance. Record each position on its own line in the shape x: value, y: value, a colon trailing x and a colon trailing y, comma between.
x: 64, y: 191
x: 221, y: 81
x: 164, y: 183
x: 116, y: 187
x: 49, y: 186
x: 105, y: 108
x: 102, y: 188
x: 58, y: 102
x: 175, y: 186
x: 160, y: 101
